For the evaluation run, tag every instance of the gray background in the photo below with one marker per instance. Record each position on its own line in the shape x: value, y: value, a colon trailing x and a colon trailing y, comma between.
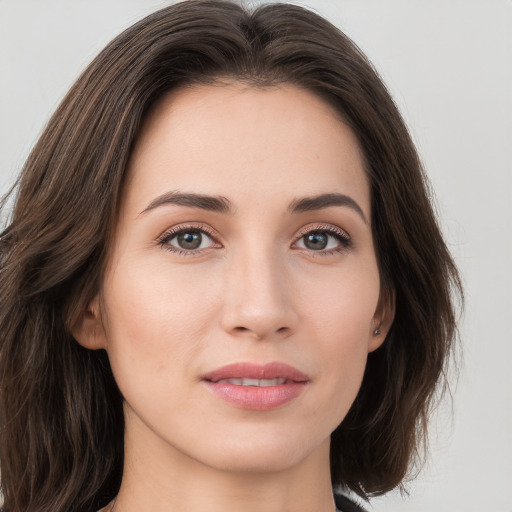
x: 448, y: 64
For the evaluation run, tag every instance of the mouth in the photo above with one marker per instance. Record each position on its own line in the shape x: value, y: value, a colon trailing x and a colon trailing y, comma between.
x: 256, y: 387
x: 251, y: 374
x: 244, y: 381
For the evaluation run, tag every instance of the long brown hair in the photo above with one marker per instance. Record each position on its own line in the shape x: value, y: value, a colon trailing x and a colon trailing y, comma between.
x: 61, y: 437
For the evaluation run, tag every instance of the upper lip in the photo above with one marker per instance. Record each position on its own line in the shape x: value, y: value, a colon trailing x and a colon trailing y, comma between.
x: 248, y: 370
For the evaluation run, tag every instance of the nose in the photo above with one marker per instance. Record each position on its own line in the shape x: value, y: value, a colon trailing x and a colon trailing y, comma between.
x: 258, y: 298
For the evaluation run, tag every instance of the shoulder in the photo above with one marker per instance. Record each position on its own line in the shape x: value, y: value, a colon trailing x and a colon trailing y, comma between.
x: 345, y: 504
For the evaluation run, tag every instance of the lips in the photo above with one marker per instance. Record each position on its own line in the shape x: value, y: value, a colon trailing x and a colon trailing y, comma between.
x: 244, y: 381
x: 274, y: 370
x: 256, y: 387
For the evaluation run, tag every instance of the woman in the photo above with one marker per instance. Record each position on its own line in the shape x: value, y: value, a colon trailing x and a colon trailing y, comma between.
x: 223, y: 285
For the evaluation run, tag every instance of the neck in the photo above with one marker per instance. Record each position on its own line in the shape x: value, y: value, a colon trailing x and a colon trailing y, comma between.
x: 160, y: 478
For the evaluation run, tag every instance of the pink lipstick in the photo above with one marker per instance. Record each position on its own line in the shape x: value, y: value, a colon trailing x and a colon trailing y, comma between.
x: 256, y: 387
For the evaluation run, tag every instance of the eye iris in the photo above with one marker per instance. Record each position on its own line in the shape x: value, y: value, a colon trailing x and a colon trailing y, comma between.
x: 190, y: 239
x: 316, y: 241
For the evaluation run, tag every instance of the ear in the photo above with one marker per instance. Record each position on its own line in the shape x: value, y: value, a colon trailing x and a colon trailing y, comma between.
x: 88, y: 330
x: 382, y: 320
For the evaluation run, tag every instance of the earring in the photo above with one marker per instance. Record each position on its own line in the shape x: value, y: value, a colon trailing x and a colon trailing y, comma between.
x: 376, y: 332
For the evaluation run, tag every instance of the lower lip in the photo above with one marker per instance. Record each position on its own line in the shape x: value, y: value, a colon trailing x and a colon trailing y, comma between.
x: 257, y: 398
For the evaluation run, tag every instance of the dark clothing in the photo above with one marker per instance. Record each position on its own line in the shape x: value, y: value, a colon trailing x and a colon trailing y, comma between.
x: 345, y: 504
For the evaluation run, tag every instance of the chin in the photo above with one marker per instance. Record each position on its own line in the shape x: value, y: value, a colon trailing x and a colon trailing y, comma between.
x: 262, y: 453
x: 250, y: 462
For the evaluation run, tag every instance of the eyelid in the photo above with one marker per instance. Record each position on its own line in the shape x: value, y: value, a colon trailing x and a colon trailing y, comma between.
x: 163, y: 239
x: 329, y: 228
x: 344, y: 239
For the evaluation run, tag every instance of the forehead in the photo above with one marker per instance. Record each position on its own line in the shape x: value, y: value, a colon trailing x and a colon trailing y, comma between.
x: 246, y: 143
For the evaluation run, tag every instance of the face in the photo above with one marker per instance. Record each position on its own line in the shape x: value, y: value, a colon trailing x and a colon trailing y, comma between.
x: 242, y: 290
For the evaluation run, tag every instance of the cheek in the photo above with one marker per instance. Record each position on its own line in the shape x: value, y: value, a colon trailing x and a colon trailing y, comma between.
x: 155, y: 317
x: 343, y: 329
x: 343, y: 304
x: 341, y: 317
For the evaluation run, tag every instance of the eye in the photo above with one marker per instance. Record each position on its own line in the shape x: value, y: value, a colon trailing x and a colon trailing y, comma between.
x: 186, y: 240
x: 325, y: 240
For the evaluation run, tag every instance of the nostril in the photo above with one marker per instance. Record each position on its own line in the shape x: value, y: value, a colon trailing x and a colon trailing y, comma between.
x: 243, y: 330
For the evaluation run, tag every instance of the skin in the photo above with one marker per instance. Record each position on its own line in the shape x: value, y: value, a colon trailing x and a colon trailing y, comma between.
x: 254, y: 291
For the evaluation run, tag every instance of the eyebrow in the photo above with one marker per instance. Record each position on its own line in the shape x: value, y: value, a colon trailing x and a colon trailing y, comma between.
x: 307, y: 204
x: 211, y: 203
x: 221, y: 204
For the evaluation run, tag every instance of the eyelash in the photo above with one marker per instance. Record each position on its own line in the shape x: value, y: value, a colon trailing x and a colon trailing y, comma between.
x: 164, y: 239
x: 345, y: 242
